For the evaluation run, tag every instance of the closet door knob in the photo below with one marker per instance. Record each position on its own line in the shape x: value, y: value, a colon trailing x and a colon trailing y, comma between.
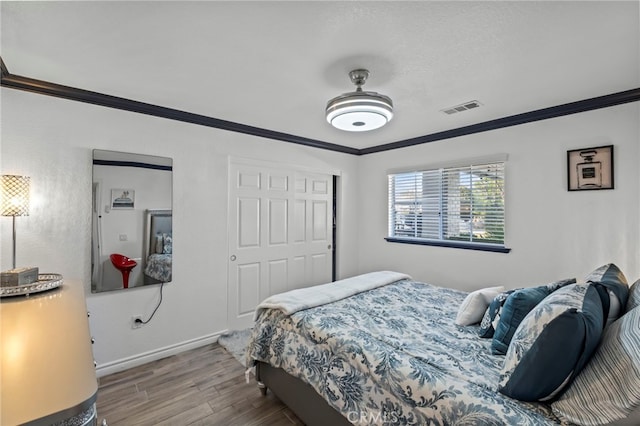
x: 233, y: 258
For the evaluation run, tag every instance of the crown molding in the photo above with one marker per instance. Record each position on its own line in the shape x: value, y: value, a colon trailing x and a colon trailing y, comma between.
x: 605, y: 101
x: 66, y: 92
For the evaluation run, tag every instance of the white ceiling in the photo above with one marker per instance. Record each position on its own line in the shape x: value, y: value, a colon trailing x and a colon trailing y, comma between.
x: 275, y: 64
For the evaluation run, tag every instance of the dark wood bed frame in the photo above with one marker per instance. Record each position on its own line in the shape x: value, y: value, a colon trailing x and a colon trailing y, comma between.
x: 299, y: 396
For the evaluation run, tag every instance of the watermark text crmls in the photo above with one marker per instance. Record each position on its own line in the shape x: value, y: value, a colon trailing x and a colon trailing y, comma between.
x: 372, y: 418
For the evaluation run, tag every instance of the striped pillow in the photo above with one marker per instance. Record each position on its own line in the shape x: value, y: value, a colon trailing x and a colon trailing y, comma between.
x: 608, y: 388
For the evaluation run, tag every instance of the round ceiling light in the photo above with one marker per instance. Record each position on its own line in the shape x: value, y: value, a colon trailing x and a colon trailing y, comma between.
x: 359, y: 111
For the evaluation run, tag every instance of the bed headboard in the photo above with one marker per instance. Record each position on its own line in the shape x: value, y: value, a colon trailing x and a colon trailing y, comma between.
x: 157, y: 221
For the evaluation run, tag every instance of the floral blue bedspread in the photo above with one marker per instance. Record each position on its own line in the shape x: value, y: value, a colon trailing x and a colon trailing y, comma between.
x: 159, y: 266
x: 393, y: 355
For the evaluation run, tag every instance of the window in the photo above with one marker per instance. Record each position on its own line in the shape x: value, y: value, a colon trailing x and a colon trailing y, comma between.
x: 455, y: 206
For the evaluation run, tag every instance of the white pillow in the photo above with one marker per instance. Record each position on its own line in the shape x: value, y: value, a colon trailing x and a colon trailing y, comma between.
x: 475, y: 304
x: 615, y: 310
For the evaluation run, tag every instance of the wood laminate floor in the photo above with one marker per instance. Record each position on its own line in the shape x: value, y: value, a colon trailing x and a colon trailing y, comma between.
x: 200, y: 387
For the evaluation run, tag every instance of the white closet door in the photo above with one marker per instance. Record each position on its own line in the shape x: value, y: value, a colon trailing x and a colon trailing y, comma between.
x: 280, y: 235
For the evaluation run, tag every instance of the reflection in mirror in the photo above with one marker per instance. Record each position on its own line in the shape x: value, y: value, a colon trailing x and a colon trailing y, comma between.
x: 132, y: 238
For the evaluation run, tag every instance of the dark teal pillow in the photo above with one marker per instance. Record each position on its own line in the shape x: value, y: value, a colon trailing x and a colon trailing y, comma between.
x: 515, y: 308
x: 552, y: 344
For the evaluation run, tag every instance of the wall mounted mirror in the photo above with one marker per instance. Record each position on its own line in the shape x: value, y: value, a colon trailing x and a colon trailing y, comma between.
x: 132, y: 227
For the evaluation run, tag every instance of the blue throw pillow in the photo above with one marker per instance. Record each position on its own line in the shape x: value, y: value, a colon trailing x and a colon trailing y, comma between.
x: 515, y: 308
x: 492, y: 315
x: 552, y: 344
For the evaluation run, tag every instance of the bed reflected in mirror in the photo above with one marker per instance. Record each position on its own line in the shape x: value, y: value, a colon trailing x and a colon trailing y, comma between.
x: 132, y: 226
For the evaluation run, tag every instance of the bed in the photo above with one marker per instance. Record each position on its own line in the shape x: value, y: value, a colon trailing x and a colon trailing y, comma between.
x: 355, y: 352
x: 159, y: 246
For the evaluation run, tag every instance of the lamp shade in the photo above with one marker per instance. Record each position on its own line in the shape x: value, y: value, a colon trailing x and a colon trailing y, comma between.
x: 15, y: 195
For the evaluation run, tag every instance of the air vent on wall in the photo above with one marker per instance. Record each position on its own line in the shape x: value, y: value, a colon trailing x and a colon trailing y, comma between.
x: 462, y: 107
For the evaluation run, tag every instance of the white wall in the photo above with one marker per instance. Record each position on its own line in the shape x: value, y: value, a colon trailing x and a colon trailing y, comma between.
x: 52, y: 140
x: 553, y: 233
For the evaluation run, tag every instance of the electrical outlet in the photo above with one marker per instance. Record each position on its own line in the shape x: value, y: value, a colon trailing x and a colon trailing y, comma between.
x: 136, y: 321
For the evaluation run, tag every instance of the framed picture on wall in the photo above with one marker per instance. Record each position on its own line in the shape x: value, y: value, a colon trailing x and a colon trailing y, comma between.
x: 590, y: 168
x: 123, y: 199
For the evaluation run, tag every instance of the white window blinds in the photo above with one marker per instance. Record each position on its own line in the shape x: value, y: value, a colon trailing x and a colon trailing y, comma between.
x: 463, y: 204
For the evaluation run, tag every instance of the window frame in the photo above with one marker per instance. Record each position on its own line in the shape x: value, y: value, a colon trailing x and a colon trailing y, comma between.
x: 442, y: 170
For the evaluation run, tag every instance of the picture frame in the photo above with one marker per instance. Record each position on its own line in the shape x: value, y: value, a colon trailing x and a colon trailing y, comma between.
x: 590, y: 169
x: 123, y: 199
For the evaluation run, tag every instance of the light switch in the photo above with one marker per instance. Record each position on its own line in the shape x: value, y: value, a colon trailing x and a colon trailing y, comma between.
x: 123, y: 237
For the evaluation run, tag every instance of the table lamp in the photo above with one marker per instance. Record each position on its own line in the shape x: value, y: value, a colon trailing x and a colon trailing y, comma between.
x: 15, y: 201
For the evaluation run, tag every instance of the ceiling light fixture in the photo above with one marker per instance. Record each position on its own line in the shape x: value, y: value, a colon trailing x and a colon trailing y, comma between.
x: 359, y: 111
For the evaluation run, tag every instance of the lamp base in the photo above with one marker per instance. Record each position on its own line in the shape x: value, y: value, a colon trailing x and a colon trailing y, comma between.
x: 18, y: 276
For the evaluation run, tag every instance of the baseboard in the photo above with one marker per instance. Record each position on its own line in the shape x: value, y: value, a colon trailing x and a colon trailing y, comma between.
x: 145, y: 357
